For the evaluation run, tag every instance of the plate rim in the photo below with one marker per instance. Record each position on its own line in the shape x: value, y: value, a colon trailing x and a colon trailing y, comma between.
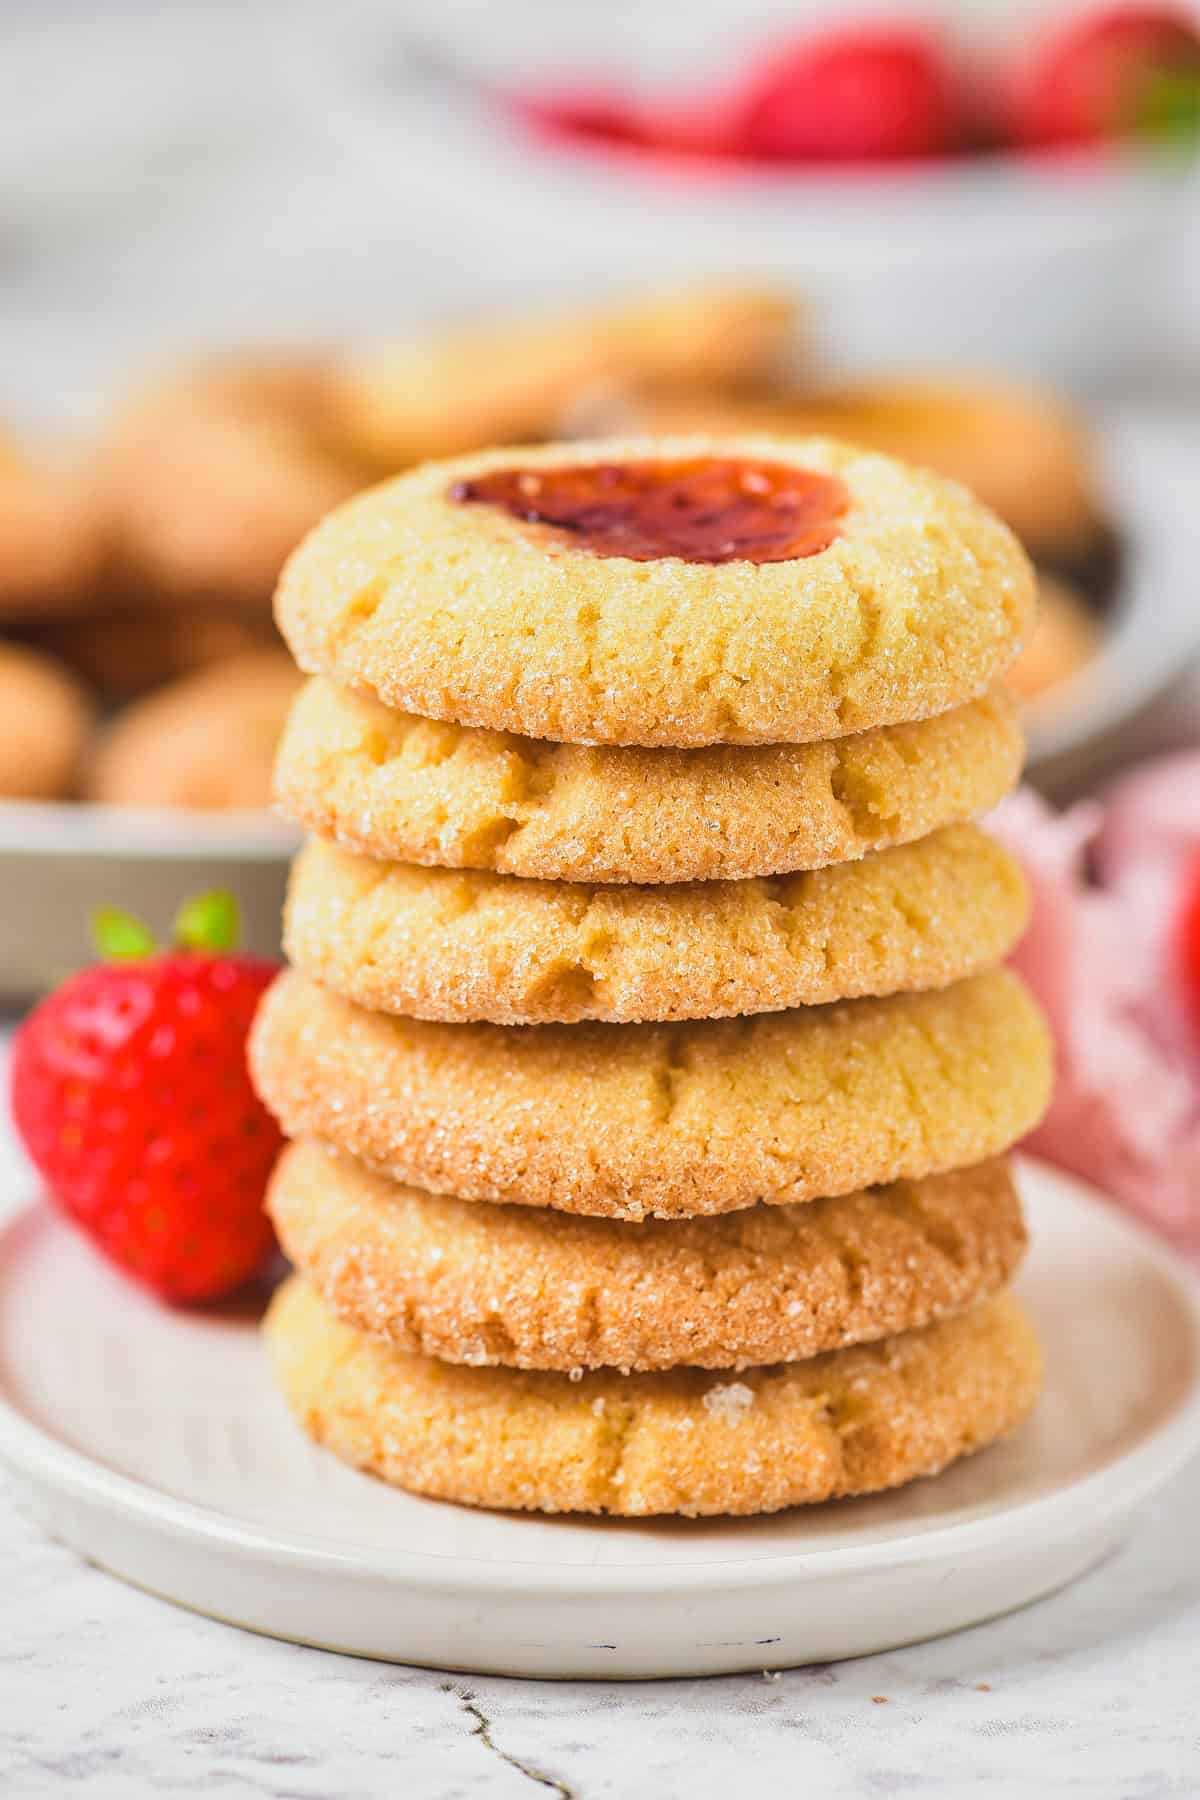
x: 81, y: 828
x: 34, y: 1455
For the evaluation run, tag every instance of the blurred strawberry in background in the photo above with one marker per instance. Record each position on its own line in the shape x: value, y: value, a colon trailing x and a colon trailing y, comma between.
x: 578, y: 113
x: 865, y: 94
x: 1127, y: 71
x: 892, y: 90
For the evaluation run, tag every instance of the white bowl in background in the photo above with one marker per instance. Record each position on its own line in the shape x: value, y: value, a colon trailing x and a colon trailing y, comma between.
x: 1150, y: 472
x: 1038, y: 264
x: 1042, y: 267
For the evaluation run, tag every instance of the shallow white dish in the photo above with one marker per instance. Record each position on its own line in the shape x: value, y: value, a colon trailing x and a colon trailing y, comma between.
x: 1150, y: 471
x: 58, y: 863
x: 153, y: 1443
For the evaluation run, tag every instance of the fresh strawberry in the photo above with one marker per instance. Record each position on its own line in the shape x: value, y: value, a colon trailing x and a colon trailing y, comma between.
x: 131, y: 1093
x: 863, y: 94
x: 1129, y: 70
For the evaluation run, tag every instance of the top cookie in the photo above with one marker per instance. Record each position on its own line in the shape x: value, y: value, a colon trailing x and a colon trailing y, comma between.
x: 804, y: 590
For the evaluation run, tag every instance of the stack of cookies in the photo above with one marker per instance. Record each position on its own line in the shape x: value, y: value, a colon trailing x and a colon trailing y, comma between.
x: 645, y: 1048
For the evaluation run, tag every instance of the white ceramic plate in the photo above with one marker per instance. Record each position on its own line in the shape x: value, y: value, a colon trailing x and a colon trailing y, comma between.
x: 153, y: 1442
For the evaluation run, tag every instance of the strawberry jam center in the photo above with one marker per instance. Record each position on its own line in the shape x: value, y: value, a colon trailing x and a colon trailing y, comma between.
x: 702, y: 509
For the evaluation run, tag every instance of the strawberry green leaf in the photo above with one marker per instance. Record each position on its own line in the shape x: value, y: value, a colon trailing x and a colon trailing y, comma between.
x: 1169, y: 106
x: 208, y: 921
x: 118, y: 935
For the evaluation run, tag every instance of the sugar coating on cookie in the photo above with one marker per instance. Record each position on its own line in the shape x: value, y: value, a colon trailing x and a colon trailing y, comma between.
x: 469, y: 945
x: 853, y: 1421
x: 703, y: 1116
x: 419, y: 791
x: 470, y: 1282
x: 461, y: 611
x: 48, y: 720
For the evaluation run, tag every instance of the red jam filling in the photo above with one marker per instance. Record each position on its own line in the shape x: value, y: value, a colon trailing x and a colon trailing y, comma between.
x: 702, y: 509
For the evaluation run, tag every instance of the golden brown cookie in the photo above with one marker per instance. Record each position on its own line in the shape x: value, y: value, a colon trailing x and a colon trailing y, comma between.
x: 51, y: 541
x: 456, y: 609
x: 215, y: 476
x: 474, y: 1283
x: 1020, y: 450
x: 1066, y: 636
x: 454, y: 945
x: 412, y: 790
x: 124, y: 651
x: 46, y: 722
x: 682, y: 1441
x: 510, y: 382
x: 206, y: 742
x: 625, y: 1120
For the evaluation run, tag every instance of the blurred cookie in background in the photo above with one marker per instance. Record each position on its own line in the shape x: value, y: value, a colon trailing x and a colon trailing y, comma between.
x: 206, y: 742
x: 48, y: 720
x: 1020, y: 450
x: 51, y: 539
x: 123, y: 652
x: 732, y: 338
x: 214, y: 476
x: 1066, y: 636
x: 514, y: 381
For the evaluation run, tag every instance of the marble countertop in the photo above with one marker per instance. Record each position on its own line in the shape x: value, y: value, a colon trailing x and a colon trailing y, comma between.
x: 1091, y: 1693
